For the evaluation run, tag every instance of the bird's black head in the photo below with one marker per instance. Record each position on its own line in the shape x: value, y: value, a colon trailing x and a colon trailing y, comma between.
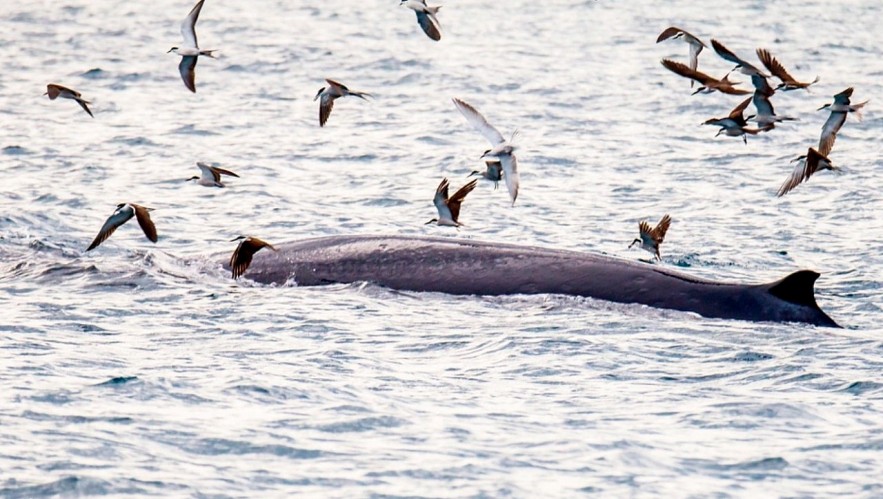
x: 824, y: 107
x: 485, y: 153
x: 239, y: 238
x: 474, y: 172
x: 195, y: 177
x: 172, y: 49
x: 319, y: 93
x: 431, y: 221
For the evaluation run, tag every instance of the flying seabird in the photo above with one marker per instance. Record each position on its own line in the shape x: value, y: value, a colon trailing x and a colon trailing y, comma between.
x: 121, y: 215
x: 246, y: 249
x: 839, y: 109
x: 651, y: 238
x: 329, y: 94
x: 425, y: 17
x: 190, y: 51
x: 774, y: 67
x: 55, y: 91
x: 449, y: 207
x: 807, y: 164
x: 502, y: 150
x: 734, y: 125
x: 696, y: 45
x: 211, y: 175
x: 493, y: 172
x: 708, y: 84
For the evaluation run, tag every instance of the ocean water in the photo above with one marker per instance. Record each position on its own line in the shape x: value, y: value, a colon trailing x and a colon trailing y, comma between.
x: 142, y: 369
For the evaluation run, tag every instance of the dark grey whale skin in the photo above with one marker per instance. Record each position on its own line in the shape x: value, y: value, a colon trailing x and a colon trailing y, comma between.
x: 466, y: 267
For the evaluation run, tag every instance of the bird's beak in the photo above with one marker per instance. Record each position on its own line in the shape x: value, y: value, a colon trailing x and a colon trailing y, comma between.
x: 429, y: 222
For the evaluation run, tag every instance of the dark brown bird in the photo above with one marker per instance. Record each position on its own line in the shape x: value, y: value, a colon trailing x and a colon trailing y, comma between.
x: 774, y: 67
x: 55, y: 91
x: 651, y: 238
x: 807, y: 165
x: 708, y: 84
x: 246, y: 249
x: 123, y: 213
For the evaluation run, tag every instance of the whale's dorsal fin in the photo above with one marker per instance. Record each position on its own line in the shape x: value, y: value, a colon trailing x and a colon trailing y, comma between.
x: 797, y: 288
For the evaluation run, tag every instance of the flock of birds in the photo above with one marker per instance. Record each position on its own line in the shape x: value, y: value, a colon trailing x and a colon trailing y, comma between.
x: 500, y: 159
x: 735, y: 124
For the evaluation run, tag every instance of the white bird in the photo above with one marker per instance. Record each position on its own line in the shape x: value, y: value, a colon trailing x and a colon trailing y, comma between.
x: 241, y: 258
x: 190, y: 51
x: 651, y: 238
x: 55, y: 91
x: 839, y: 109
x: 502, y: 150
x: 123, y: 213
x: 449, y: 207
x: 329, y: 94
x: 807, y: 165
x: 425, y: 17
x: 211, y: 175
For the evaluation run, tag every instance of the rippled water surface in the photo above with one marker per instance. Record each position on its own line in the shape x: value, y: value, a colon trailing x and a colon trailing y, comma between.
x: 140, y: 369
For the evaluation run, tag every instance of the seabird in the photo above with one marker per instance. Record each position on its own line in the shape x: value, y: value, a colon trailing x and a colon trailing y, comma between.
x: 493, y: 172
x: 449, y: 207
x: 708, y: 84
x: 502, y: 150
x: 741, y: 64
x: 246, y: 249
x: 651, y: 238
x: 190, y: 51
x: 734, y: 125
x: 121, y: 215
x: 807, y: 164
x: 329, y: 94
x: 696, y: 45
x: 839, y: 110
x: 211, y: 175
x: 788, y: 81
x: 425, y: 17
x: 55, y: 91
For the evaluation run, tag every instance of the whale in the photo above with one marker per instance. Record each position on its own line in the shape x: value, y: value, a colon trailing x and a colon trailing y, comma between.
x: 467, y: 267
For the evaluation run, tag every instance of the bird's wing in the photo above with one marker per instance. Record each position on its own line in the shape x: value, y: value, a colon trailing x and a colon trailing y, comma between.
x: 52, y: 90
x: 843, y: 97
x: 222, y: 171
x: 658, y: 233
x: 143, y: 216
x: 737, y: 111
x: 455, y: 200
x: 668, y: 33
x: 188, y: 26
x: 725, y: 52
x: 683, y: 70
x: 440, y: 200
x: 429, y: 25
x: 119, y: 217
x: 510, y: 170
x: 208, y: 171
x: 694, y: 55
x: 479, y: 122
x: 326, y: 104
x: 773, y: 65
x: 187, y: 68
x: 800, y: 173
x: 830, y: 130
x: 645, y: 231
x: 763, y: 104
x: 82, y: 104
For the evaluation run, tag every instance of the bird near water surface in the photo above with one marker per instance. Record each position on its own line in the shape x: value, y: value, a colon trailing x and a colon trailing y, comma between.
x: 54, y: 91
x: 245, y: 250
x: 329, y: 94
x: 211, y: 175
x: 123, y: 213
x: 651, y: 238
